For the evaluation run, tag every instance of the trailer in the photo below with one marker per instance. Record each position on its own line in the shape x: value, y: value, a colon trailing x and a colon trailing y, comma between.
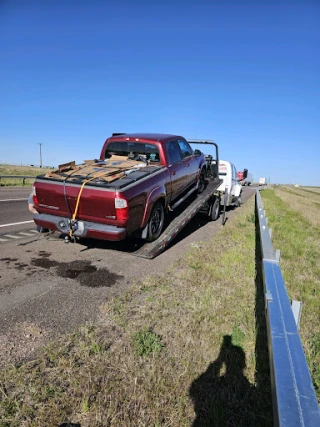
x: 207, y: 203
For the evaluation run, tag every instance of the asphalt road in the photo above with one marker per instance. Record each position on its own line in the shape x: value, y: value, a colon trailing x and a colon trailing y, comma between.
x: 14, y: 210
x: 49, y: 287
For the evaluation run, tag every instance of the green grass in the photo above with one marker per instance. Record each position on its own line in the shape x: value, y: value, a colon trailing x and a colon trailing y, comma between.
x: 146, y: 342
x: 298, y: 241
x: 187, y: 345
x: 19, y: 170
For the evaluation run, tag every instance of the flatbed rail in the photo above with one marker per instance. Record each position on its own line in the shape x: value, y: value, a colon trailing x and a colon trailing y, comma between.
x: 153, y: 249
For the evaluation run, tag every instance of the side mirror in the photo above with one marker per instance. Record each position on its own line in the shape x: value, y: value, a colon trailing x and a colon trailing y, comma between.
x: 245, y: 173
x: 197, y: 153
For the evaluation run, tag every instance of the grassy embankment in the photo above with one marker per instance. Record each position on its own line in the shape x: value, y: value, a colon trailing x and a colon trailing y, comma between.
x: 294, y: 218
x: 187, y: 345
x: 19, y: 170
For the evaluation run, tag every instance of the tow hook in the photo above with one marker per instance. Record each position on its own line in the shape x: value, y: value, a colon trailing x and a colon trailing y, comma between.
x: 73, y: 226
x: 68, y: 239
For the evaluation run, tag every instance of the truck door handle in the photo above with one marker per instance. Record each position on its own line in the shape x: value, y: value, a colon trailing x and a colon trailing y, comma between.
x: 173, y: 173
x: 187, y: 164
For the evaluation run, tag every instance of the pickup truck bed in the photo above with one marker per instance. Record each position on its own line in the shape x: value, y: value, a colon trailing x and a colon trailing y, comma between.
x: 59, y: 198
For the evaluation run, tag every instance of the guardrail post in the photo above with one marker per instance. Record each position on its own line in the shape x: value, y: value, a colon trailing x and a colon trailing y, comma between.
x: 296, y: 309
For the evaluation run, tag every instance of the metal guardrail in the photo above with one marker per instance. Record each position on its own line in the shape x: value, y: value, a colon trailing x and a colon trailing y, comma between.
x: 293, y: 395
x: 23, y: 177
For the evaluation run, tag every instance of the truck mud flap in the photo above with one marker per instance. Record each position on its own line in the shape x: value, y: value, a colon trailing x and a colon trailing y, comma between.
x: 153, y: 249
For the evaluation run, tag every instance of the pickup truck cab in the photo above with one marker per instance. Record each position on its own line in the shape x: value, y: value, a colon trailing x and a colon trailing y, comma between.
x: 138, y: 178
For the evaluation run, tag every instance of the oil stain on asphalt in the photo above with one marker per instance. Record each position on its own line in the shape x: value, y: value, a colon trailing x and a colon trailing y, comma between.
x: 82, y: 271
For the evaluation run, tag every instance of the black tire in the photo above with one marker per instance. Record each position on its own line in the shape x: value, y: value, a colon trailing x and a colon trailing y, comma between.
x: 42, y: 229
x: 215, y: 211
x: 201, y: 181
x: 156, y: 222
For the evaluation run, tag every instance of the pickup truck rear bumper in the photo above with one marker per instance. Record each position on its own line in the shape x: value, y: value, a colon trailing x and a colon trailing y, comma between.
x: 82, y: 228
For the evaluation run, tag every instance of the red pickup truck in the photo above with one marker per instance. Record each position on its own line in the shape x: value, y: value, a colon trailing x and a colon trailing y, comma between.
x: 138, y: 178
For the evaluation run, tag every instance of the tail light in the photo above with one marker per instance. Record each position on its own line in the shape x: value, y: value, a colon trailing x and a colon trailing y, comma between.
x: 122, y: 210
x: 34, y: 196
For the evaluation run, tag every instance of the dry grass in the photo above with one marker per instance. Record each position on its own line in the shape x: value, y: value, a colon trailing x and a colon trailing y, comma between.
x: 304, y: 202
x: 313, y: 189
x: 19, y: 170
x: 187, y: 347
x: 296, y: 232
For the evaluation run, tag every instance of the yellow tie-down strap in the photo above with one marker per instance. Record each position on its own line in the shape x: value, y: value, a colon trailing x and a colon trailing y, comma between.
x: 117, y: 172
x: 79, y: 195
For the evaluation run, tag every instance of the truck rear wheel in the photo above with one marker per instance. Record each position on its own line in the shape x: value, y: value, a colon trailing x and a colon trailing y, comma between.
x: 215, y: 210
x: 156, y: 222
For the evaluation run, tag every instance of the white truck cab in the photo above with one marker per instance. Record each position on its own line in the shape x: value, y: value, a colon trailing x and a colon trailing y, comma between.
x: 262, y: 181
x: 230, y: 186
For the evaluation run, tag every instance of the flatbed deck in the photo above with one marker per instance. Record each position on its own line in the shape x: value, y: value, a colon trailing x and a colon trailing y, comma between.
x: 153, y: 249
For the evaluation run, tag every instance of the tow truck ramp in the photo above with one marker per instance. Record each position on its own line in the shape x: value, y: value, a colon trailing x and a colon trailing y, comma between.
x: 153, y: 249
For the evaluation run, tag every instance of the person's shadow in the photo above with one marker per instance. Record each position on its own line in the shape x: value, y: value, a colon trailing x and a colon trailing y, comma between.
x: 222, y: 396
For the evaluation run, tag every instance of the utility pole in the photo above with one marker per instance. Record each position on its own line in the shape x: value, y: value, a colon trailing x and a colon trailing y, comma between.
x: 40, y: 154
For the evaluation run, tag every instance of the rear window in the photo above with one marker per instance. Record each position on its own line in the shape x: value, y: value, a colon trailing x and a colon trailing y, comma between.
x: 126, y: 148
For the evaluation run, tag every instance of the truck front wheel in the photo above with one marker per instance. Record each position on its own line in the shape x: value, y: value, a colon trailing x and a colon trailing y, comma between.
x: 156, y: 222
x: 201, y: 181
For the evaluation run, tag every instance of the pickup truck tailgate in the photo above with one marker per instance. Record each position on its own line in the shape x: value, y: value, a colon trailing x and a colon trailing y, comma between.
x: 58, y: 198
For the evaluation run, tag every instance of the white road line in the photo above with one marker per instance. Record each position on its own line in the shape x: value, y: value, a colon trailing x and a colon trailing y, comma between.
x: 12, y: 236
x: 12, y: 200
x: 4, y: 240
x: 34, y: 231
x: 25, y: 234
x: 16, y: 223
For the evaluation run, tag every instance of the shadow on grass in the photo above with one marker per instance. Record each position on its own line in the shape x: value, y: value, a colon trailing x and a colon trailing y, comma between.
x: 223, y: 396
x: 224, y: 399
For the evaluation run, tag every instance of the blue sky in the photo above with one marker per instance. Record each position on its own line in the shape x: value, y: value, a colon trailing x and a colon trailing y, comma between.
x: 243, y: 73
